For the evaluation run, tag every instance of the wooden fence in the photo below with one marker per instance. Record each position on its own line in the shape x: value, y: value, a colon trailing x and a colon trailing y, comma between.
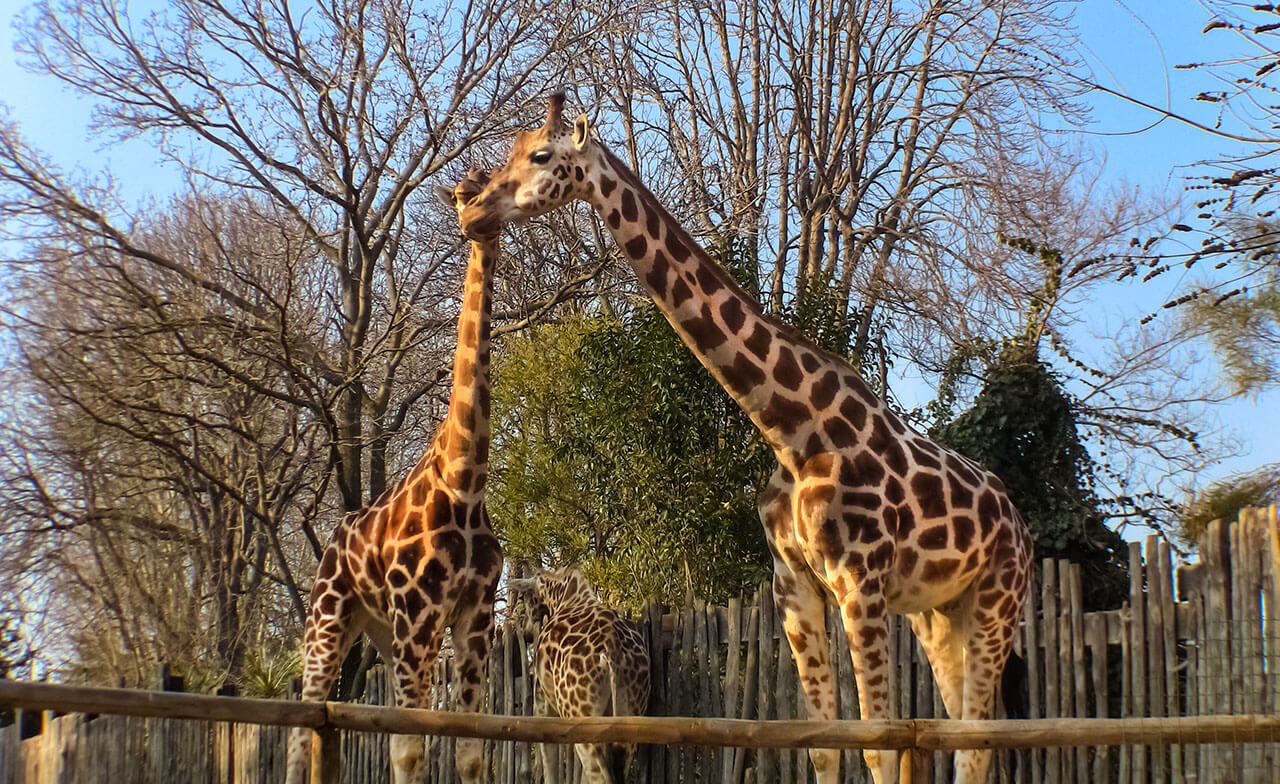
x: 1209, y: 647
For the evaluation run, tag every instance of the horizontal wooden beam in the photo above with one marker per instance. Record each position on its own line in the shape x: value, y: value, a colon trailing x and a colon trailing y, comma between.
x: 159, y: 704
x: 931, y: 734
x: 948, y: 735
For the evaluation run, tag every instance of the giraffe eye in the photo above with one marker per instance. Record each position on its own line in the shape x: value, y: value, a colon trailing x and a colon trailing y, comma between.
x: 540, y: 157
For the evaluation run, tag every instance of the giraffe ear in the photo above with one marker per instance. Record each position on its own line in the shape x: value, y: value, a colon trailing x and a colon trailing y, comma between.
x: 581, y: 132
x: 444, y: 195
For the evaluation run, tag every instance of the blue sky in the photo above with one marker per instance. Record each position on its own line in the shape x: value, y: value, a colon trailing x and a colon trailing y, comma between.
x: 1130, y: 46
x: 1133, y: 48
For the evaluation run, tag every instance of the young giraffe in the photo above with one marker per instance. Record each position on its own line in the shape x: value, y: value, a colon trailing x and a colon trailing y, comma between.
x: 590, y: 661
x: 423, y: 557
x: 860, y: 507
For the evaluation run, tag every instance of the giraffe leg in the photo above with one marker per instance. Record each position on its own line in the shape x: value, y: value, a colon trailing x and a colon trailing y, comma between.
x: 995, y: 615
x: 472, y: 640
x: 328, y: 636
x: 549, y: 757
x: 592, y: 757
x: 414, y: 649
x: 803, y: 612
x: 862, y: 609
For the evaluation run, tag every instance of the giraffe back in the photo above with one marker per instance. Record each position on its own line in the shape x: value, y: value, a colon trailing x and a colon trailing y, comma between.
x: 590, y: 659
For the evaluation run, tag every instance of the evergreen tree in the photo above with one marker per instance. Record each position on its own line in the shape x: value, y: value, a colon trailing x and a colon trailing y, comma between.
x: 1023, y: 426
x: 614, y: 449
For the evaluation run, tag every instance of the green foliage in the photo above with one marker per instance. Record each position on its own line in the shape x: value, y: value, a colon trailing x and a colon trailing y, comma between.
x: 614, y: 449
x: 820, y: 309
x: 1223, y: 501
x: 270, y: 674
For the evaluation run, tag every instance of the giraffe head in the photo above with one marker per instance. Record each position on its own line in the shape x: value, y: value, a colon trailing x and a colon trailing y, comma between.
x: 553, y: 590
x: 547, y: 168
x: 464, y: 192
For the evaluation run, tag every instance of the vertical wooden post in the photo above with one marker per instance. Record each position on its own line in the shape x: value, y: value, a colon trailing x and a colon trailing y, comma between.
x: 1137, y: 651
x: 1096, y: 632
x: 733, y: 654
x: 1049, y: 607
x: 1270, y: 624
x: 1075, y: 592
x: 1155, y: 621
x: 326, y: 756
x: 1034, y: 682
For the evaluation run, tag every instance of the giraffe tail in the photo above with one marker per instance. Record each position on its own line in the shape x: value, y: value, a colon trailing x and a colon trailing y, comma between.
x: 615, y: 755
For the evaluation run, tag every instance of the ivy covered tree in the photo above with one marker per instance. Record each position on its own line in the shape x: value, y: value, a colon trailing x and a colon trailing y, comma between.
x: 1024, y: 426
x: 616, y: 450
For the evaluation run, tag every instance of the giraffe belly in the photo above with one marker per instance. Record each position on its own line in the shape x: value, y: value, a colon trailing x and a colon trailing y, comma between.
x: 911, y: 596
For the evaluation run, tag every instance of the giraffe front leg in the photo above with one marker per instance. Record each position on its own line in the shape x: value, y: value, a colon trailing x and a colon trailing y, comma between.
x: 415, y: 645
x: 996, y: 610
x: 472, y: 654
x: 331, y: 629
x: 803, y: 612
x: 867, y: 627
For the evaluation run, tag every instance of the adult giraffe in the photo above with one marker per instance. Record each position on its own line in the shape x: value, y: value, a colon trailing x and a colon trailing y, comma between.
x: 423, y: 557
x: 860, y: 507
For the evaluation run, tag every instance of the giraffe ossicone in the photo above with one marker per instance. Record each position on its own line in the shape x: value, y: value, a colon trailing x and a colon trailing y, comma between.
x: 589, y: 660
x: 861, y: 510
x: 422, y: 558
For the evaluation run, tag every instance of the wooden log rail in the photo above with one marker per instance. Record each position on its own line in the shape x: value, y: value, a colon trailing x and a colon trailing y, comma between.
x: 930, y: 734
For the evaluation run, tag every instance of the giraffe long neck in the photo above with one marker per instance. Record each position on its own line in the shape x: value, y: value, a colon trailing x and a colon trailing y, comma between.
x: 802, y: 399
x: 462, y: 443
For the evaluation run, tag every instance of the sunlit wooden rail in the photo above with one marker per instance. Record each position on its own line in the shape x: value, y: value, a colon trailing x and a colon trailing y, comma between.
x: 925, y: 734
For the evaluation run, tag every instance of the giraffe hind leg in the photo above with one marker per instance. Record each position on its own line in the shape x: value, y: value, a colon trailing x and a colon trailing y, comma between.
x: 548, y: 754
x: 593, y: 758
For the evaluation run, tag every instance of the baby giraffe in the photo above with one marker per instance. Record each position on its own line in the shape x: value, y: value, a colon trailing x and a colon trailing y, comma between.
x: 423, y: 557
x: 589, y: 661
x: 861, y: 510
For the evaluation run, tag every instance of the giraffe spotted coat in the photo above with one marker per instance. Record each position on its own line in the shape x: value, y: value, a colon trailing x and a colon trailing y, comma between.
x: 861, y: 511
x: 423, y: 557
x: 589, y: 661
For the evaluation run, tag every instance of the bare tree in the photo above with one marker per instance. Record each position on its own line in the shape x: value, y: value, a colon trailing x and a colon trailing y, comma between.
x: 875, y: 159
x: 155, y: 466
x: 229, y: 372
x: 335, y: 116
